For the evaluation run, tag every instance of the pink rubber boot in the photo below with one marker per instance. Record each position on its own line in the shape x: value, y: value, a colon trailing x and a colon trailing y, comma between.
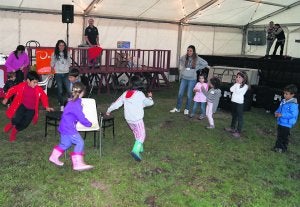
x: 54, y: 157
x: 78, y: 162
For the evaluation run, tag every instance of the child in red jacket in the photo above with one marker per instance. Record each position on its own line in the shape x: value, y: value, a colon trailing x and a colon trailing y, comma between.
x: 25, y: 105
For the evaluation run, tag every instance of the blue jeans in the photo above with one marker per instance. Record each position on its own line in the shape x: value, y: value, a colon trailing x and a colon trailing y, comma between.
x: 202, y: 108
x: 62, y: 80
x: 189, y: 85
x: 66, y: 141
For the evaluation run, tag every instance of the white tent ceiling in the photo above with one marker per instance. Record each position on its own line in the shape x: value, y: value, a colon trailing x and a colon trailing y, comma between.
x: 224, y: 12
x: 214, y: 26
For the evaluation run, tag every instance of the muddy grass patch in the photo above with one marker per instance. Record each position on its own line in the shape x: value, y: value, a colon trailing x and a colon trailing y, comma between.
x: 166, y: 124
x: 282, y: 193
x: 151, y: 201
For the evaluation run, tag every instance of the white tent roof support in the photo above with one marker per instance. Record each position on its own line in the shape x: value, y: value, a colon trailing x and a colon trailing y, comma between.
x: 297, y: 3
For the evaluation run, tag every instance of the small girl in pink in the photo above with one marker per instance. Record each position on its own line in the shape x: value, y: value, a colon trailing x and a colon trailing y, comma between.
x: 200, y: 98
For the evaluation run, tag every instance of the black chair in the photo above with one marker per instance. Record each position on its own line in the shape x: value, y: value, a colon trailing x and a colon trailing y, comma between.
x: 107, y: 121
x: 104, y: 122
x: 52, y: 119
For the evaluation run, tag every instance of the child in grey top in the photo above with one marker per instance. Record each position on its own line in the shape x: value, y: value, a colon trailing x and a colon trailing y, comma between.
x: 213, y: 96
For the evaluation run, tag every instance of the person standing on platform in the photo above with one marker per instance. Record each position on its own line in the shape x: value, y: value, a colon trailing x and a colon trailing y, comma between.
x: 16, y: 62
x: 61, y: 61
x: 189, y: 65
x: 280, y: 36
x: 270, y: 37
x: 91, y: 34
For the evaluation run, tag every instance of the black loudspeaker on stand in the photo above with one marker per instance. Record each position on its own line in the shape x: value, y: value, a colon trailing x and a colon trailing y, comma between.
x: 67, y: 17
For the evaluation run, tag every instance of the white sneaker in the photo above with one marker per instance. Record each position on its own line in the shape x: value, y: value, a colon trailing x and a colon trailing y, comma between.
x: 186, y: 112
x: 62, y: 108
x: 174, y: 110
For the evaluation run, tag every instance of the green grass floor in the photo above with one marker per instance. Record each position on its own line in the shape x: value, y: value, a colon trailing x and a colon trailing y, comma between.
x: 184, y: 164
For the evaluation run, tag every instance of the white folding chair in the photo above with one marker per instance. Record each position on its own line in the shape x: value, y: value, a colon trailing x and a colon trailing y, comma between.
x: 90, y: 112
x: 44, y: 83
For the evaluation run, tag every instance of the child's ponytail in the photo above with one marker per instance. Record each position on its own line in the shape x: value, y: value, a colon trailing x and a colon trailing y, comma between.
x: 77, y: 89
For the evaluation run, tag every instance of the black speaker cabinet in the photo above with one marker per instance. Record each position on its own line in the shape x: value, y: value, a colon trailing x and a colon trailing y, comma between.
x: 67, y: 13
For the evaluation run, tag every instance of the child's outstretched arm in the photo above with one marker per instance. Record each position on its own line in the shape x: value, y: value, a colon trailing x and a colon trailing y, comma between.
x: 44, y: 100
x: 148, y: 101
x: 82, y: 119
x: 115, y: 105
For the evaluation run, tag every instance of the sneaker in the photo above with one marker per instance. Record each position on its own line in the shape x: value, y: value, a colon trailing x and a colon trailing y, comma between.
x: 279, y: 150
x: 236, y: 134
x: 229, y: 130
x: 201, y: 117
x: 62, y: 108
x: 174, y: 110
x: 186, y: 112
x: 210, y: 127
x: 191, y: 115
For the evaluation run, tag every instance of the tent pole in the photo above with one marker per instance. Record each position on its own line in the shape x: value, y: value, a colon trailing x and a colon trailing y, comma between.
x: 243, y: 52
x: 67, y: 35
x: 179, y: 40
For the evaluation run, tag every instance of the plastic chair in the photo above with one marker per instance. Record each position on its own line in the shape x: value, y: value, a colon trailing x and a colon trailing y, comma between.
x: 3, y: 78
x: 44, y: 83
x: 90, y: 112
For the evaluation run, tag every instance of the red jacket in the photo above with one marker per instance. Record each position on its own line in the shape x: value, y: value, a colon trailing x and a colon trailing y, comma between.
x: 18, y: 91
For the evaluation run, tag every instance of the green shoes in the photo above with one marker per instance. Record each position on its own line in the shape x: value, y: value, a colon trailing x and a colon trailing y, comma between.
x: 137, y: 148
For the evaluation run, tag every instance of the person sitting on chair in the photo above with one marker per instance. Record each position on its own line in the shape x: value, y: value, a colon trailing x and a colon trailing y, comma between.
x: 11, y: 81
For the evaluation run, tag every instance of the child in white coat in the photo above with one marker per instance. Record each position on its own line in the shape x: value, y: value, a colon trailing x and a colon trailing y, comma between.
x: 134, y: 102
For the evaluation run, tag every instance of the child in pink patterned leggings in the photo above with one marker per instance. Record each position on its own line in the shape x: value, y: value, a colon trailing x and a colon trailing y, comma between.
x: 213, y: 96
x: 134, y: 102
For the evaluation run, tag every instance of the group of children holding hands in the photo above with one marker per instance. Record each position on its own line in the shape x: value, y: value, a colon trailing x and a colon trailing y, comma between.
x: 26, y: 95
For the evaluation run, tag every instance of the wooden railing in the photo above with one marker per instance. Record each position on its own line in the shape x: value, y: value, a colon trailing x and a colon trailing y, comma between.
x: 117, y: 62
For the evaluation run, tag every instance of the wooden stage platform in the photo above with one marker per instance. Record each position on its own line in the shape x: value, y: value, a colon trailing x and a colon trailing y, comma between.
x: 114, y: 65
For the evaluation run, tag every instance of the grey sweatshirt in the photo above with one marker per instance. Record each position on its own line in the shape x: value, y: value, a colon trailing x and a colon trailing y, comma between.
x: 189, y: 73
x: 213, y: 96
x: 61, y: 65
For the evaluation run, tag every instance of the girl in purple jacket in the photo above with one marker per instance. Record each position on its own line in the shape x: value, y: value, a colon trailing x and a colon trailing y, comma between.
x: 17, y: 62
x: 68, y: 134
